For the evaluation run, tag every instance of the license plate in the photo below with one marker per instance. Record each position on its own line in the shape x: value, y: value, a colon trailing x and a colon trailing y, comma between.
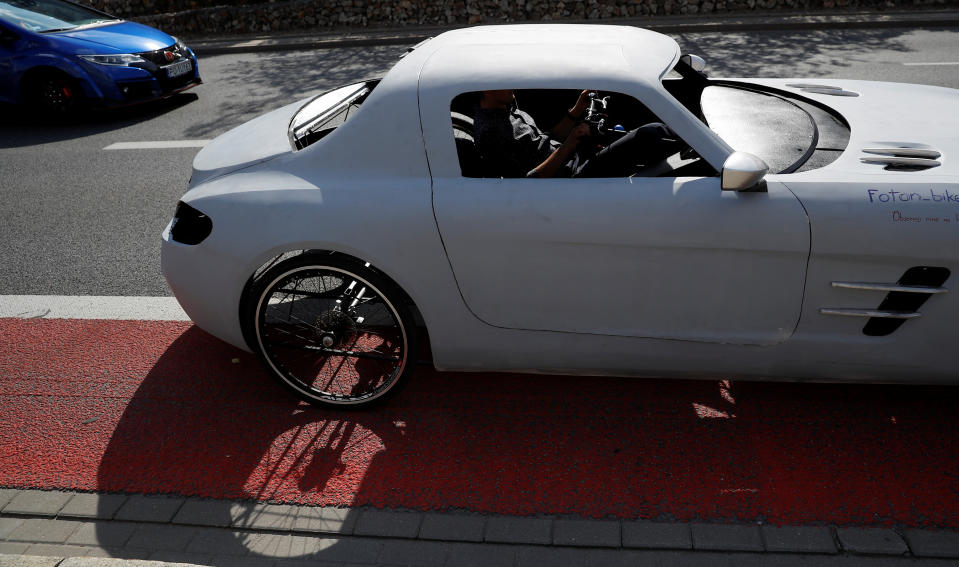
x: 179, y: 68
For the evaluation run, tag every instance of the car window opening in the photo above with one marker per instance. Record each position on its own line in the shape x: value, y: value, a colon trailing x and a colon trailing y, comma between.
x: 327, y: 112
x: 517, y: 138
x: 46, y: 16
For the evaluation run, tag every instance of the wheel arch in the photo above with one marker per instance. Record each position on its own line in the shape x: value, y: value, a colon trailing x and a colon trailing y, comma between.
x: 246, y: 296
x: 75, y: 75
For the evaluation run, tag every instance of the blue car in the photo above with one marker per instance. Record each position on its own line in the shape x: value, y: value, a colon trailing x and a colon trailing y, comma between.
x: 56, y: 55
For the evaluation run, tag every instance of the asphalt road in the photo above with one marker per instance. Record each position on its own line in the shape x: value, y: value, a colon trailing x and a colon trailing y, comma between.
x: 81, y: 220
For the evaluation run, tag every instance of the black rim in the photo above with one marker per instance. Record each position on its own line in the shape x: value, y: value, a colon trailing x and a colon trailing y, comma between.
x: 331, y: 335
x: 56, y: 94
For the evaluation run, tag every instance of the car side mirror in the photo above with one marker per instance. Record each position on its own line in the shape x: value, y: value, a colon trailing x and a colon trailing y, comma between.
x: 744, y: 172
x: 696, y: 62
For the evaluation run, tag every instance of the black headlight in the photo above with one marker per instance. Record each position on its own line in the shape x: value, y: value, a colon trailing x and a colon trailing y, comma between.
x: 190, y: 226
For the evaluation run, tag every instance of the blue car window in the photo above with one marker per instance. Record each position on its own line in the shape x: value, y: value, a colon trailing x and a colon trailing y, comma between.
x: 48, y: 15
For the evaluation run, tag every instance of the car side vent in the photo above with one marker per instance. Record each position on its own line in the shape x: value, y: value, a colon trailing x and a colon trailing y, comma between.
x: 907, y: 157
x: 902, y: 300
x: 822, y: 89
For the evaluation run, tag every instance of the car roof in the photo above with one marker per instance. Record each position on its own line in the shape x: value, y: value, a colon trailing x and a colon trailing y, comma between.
x: 411, y: 105
x: 536, y: 52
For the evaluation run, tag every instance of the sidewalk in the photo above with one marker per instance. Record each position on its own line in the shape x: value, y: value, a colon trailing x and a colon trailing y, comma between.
x: 362, y: 37
x: 72, y: 529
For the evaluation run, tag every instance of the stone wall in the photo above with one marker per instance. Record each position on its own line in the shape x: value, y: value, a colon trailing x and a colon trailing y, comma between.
x: 195, y: 17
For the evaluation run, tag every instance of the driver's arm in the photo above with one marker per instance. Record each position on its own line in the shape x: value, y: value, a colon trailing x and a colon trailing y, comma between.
x: 565, y: 125
x: 560, y: 155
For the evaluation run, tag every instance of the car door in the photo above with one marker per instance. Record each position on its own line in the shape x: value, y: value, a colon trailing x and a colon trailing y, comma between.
x: 657, y: 257
x: 672, y: 258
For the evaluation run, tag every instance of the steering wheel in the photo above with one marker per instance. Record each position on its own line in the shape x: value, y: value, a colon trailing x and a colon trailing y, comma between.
x: 596, y: 115
x: 597, y: 118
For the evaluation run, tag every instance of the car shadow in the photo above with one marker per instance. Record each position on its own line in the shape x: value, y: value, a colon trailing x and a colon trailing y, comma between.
x: 208, y: 422
x: 22, y: 127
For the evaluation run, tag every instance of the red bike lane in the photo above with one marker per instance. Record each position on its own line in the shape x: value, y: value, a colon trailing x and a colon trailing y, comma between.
x: 162, y: 407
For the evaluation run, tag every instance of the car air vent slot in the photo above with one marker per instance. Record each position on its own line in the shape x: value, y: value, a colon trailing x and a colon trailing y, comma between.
x: 905, y: 157
x: 872, y: 313
x: 822, y: 89
x: 927, y: 153
x: 902, y: 300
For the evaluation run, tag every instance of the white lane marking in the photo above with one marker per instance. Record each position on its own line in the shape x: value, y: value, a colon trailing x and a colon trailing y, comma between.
x: 931, y: 63
x: 251, y: 43
x: 158, y: 145
x: 91, y: 307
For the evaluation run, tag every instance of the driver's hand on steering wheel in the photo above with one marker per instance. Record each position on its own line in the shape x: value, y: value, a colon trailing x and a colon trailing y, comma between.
x: 582, y: 103
x: 575, y: 135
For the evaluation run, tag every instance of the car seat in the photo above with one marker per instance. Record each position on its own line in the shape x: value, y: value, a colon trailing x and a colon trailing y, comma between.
x: 470, y: 161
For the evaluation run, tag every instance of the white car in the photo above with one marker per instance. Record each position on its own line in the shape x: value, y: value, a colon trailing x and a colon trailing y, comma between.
x: 801, y: 230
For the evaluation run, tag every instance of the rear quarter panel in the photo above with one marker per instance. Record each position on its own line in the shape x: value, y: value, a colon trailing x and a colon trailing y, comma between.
x: 872, y: 230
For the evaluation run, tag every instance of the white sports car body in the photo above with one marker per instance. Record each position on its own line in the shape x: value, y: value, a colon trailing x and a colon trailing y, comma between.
x: 832, y: 265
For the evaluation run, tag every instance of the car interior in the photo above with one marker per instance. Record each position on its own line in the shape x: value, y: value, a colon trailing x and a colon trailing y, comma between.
x: 611, y: 116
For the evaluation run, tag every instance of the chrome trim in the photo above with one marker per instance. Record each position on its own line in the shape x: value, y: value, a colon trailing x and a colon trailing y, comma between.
x: 829, y: 91
x: 870, y: 313
x: 904, y: 152
x: 822, y: 89
x: 902, y: 161
x: 890, y: 287
x: 812, y: 86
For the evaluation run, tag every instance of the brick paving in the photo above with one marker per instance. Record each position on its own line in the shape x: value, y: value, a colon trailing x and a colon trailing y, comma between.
x: 66, y: 529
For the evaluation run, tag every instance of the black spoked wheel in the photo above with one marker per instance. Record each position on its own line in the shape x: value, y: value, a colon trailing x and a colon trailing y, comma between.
x: 335, y: 333
x: 54, y: 94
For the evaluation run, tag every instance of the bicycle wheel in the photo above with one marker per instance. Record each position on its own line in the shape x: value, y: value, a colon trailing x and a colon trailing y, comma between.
x: 333, y: 332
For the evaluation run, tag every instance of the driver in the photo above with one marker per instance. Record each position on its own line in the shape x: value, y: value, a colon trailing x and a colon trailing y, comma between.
x: 512, y: 145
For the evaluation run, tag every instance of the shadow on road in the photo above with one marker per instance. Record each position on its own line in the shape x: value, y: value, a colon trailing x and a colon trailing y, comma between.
x: 248, y: 85
x: 208, y: 422
x: 20, y: 127
x: 259, y: 82
x: 265, y: 81
x: 805, y: 53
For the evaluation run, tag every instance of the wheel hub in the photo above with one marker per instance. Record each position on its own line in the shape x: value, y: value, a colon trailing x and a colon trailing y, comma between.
x: 333, y: 327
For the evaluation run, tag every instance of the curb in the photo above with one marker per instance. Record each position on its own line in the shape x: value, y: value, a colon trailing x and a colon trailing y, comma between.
x: 672, y: 25
x: 64, y: 524
x: 42, y: 561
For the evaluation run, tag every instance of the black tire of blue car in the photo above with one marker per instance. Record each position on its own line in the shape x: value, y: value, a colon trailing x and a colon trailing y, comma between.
x: 334, y: 331
x: 52, y: 94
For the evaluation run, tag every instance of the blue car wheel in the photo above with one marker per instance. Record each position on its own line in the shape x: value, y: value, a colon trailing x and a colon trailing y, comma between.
x: 52, y: 92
